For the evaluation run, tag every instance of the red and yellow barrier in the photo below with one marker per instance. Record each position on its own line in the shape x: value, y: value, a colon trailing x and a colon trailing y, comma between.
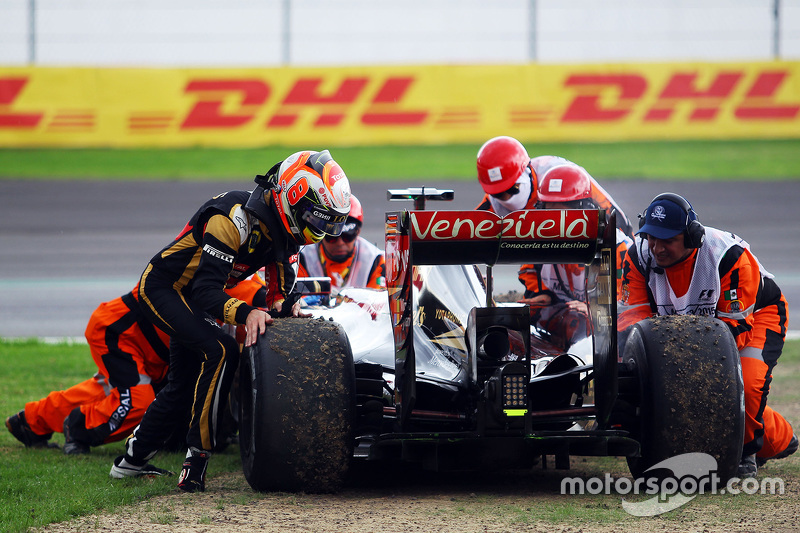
x: 397, y: 104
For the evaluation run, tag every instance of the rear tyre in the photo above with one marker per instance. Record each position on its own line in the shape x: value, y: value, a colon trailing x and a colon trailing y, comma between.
x: 690, y: 389
x: 297, y: 407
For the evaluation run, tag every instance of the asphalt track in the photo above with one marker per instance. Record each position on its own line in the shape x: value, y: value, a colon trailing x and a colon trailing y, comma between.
x: 67, y: 246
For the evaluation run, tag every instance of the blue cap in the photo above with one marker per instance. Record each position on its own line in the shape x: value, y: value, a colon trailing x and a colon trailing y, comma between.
x: 664, y: 219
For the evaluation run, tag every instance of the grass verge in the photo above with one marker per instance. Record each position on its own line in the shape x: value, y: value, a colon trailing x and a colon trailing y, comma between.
x: 739, y: 159
x: 41, y: 486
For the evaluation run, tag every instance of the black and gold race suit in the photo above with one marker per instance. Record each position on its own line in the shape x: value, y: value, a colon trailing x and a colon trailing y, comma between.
x: 182, y: 290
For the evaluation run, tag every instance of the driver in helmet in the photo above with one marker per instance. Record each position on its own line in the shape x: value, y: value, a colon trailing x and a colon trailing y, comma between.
x: 566, y: 186
x: 348, y: 259
x: 182, y: 291
x: 509, y: 179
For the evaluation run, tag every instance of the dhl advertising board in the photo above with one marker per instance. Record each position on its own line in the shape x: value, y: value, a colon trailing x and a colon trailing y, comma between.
x: 397, y: 104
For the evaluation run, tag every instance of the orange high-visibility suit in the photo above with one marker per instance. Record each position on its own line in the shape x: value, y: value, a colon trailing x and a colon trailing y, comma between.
x: 132, y: 358
x: 366, y: 266
x: 568, y: 281
x: 722, y: 278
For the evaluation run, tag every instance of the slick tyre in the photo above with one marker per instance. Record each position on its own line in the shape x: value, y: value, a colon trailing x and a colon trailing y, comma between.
x: 691, y: 394
x: 298, y: 405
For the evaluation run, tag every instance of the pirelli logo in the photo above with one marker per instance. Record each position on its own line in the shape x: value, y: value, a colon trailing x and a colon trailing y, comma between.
x: 210, y: 250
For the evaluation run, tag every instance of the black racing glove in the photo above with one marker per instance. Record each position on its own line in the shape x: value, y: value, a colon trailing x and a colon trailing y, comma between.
x: 286, y: 306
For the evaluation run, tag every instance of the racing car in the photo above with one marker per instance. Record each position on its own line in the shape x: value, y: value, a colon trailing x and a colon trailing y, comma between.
x: 434, y: 371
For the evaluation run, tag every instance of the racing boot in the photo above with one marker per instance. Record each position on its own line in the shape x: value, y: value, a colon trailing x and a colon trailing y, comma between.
x: 19, y: 427
x: 72, y: 446
x: 193, y: 475
x: 790, y: 449
x: 125, y: 466
x: 747, y: 467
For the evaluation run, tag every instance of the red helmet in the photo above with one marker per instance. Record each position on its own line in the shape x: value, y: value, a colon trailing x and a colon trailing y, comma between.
x: 501, y: 161
x: 355, y: 210
x: 565, y: 183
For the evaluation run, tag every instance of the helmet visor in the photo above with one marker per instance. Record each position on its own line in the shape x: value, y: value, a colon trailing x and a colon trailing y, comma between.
x: 324, y: 221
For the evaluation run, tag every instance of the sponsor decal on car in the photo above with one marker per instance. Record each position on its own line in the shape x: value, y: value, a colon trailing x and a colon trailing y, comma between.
x: 542, y: 225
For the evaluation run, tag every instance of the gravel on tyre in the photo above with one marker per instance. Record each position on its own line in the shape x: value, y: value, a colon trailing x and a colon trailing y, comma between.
x: 297, y: 407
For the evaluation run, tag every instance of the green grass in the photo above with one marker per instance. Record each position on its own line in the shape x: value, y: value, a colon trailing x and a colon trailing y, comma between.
x: 750, y: 160
x: 41, y: 486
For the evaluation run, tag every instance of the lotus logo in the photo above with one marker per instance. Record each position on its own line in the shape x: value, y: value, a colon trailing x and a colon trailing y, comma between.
x: 659, y: 213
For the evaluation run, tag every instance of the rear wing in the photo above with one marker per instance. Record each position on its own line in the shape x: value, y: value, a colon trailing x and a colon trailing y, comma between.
x: 482, y: 237
x: 580, y: 236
